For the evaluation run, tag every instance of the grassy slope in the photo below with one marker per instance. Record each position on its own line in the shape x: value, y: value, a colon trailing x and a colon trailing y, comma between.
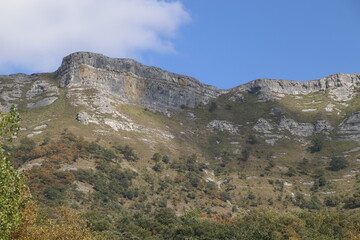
x: 258, y: 175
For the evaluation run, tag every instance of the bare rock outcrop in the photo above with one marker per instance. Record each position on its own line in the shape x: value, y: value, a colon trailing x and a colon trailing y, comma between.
x: 224, y: 126
x: 349, y: 129
x: 341, y: 87
x: 42, y: 87
x: 134, y: 83
x: 300, y: 129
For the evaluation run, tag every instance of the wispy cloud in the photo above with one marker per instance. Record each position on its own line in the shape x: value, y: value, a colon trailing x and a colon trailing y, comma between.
x: 36, y: 34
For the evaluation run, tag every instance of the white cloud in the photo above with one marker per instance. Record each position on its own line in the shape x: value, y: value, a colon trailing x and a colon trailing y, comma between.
x: 36, y: 34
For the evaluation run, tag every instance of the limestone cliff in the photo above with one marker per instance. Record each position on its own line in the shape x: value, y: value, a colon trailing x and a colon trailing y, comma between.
x: 340, y: 87
x: 133, y: 82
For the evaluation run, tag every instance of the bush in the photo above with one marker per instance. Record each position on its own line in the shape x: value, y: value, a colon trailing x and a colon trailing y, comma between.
x: 245, y: 154
x: 338, y: 163
x: 252, y: 140
x: 156, y: 157
x: 165, y: 159
x: 65, y: 224
x: 128, y: 152
x: 212, y: 106
x: 317, y: 144
x: 291, y: 172
x: 158, y: 167
x: 331, y: 201
x: 27, y: 145
x: 353, y: 202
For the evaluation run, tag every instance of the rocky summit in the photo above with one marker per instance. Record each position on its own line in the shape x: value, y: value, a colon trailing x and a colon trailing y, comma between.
x: 98, y: 84
x: 112, y: 81
x: 133, y: 82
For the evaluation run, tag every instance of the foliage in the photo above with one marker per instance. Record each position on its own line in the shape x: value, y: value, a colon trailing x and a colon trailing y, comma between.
x: 128, y: 152
x: 291, y: 172
x: 64, y: 224
x: 353, y: 202
x: 259, y: 224
x: 317, y: 143
x: 338, y: 163
x: 166, y: 159
x: 13, y: 192
x: 158, y: 167
x: 212, y: 106
x: 156, y: 157
x: 245, y: 154
x: 252, y: 139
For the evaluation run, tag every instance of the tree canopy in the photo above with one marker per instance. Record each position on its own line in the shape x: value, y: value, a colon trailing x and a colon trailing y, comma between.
x: 13, y: 190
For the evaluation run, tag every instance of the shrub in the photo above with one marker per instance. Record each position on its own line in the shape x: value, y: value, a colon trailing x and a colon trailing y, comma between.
x: 156, y: 157
x: 291, y: 172
x: 317, y: 144
x: 27, y: 145
x: 128, y: 152
x: 252, y: 139
x: 338, y: 163
x: 165, y: 159
x: 331, y: 201
x: 353, y: 202
x: 245, y: 154
x: 212, y: 106
x: 158, y: 167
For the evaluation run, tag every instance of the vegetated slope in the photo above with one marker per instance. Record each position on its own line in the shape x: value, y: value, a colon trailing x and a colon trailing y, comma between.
x: 109, y: 135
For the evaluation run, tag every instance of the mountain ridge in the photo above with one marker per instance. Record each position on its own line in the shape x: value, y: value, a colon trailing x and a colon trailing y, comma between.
x: 163, y: 91
x: 129, y: 136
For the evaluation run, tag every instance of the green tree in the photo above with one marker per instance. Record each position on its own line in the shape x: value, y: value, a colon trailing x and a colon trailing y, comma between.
x: 353, y: 202
x: 291, y: 172
x: 338, y: 163
x: 245, y: 154
x: 317, y: 144
x: 212, y: 106
x: 166, y: 159
x: 156, y: 157
x: 13, y: 195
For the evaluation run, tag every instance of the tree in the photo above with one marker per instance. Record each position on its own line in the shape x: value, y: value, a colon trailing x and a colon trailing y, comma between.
x: 317, y: 144
x: 291, y: 172
x: 338, y: 163
x: 13, y: 192
x: 245, y: 154
x: 166, y: 159
x: 156, y: 157
x: 212, y: 106
x: 353, y: 202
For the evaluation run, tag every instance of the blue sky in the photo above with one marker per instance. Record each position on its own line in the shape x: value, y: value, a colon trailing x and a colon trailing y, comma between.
x: 231, y: 42
x: 223, y: 43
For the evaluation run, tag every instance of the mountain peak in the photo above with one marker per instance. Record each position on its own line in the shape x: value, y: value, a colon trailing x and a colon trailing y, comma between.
x: 133, y: 82
x: 120, y: 65
x: 340, y: 86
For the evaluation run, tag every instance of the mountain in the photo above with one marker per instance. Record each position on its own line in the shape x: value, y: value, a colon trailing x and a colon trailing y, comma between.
x: 178, y: 143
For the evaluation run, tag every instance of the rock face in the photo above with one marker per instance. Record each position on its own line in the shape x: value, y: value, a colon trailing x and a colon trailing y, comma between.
x: 263, y: 126
x: 349, y: 129
x: 290, y: 125
x: 223, y: 126
x: 341, y: 87
x: 133, y: 82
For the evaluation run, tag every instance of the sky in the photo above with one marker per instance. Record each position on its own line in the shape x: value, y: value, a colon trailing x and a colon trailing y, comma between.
x: 223, y: 43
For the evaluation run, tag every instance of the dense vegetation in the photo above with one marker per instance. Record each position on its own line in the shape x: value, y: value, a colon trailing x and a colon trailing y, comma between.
x: 94, y: 190
x: 12, y: 190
